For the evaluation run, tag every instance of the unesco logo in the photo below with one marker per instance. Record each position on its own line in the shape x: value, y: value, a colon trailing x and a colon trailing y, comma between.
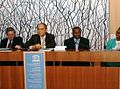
x: 35, y: 58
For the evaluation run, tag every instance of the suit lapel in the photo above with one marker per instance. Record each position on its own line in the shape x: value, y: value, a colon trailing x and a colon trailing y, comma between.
x: 38, y: 40
x: 73, y: 43
x: 6, y: 42
x: 46, y: 39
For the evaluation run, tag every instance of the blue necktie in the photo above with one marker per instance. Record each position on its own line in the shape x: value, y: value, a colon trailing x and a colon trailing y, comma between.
x: 76, y: 44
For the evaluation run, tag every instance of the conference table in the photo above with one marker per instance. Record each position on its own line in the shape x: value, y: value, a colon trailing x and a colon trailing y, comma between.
x: 59, y: 76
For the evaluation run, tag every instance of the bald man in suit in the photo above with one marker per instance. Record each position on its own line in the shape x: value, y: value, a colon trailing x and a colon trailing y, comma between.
x: 42, y: 39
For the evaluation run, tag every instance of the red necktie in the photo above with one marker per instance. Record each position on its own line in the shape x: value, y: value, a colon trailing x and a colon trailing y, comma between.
x: 10, y: 44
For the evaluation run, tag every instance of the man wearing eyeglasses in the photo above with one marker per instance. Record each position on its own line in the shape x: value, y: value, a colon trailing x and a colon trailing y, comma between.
x: 11, y: 41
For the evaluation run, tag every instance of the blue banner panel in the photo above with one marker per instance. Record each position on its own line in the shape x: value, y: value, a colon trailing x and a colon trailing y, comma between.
x: 34, y: 70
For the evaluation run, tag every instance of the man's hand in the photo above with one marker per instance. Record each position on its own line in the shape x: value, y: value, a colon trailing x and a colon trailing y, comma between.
x: 18, y: 47
x: 37, y: 46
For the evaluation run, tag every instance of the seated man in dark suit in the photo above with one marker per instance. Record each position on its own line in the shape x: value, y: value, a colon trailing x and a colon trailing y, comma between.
x: 42, y: 39
x: 77, y: 42
x: 11, y: 41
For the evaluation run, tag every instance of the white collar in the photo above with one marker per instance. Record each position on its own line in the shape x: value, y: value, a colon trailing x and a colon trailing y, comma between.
x: 43, y: 37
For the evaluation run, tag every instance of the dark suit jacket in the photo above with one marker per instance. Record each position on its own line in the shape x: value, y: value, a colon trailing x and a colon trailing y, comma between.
x: 35, y: 39
x: 16, y: 41
x: 83, y: 44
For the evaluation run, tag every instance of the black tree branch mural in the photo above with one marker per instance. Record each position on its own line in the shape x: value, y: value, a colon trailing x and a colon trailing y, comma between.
x: 60, y: 16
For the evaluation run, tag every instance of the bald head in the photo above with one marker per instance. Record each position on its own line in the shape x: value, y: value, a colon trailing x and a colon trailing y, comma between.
x: 41, y: 29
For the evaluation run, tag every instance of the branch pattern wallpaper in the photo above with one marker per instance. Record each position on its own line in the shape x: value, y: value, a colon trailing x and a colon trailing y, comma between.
x: 60, y: 16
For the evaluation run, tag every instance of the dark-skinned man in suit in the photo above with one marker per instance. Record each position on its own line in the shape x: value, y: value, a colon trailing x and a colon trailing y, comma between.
x: 77, y: 42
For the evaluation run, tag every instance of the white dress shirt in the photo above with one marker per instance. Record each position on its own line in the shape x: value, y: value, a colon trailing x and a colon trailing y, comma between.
x: 8, y: 43
x: 42, y: 39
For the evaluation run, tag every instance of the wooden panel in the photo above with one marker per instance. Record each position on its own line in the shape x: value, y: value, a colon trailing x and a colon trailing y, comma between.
x: 65, y: 77
x: 11, y: 77
x: 105, y: 56
x: 99, y: 56
x: 82, y: 78
x: 93, y: 56
x: 11, y: 56
x: 112, y: 77
x: 67, y: 56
